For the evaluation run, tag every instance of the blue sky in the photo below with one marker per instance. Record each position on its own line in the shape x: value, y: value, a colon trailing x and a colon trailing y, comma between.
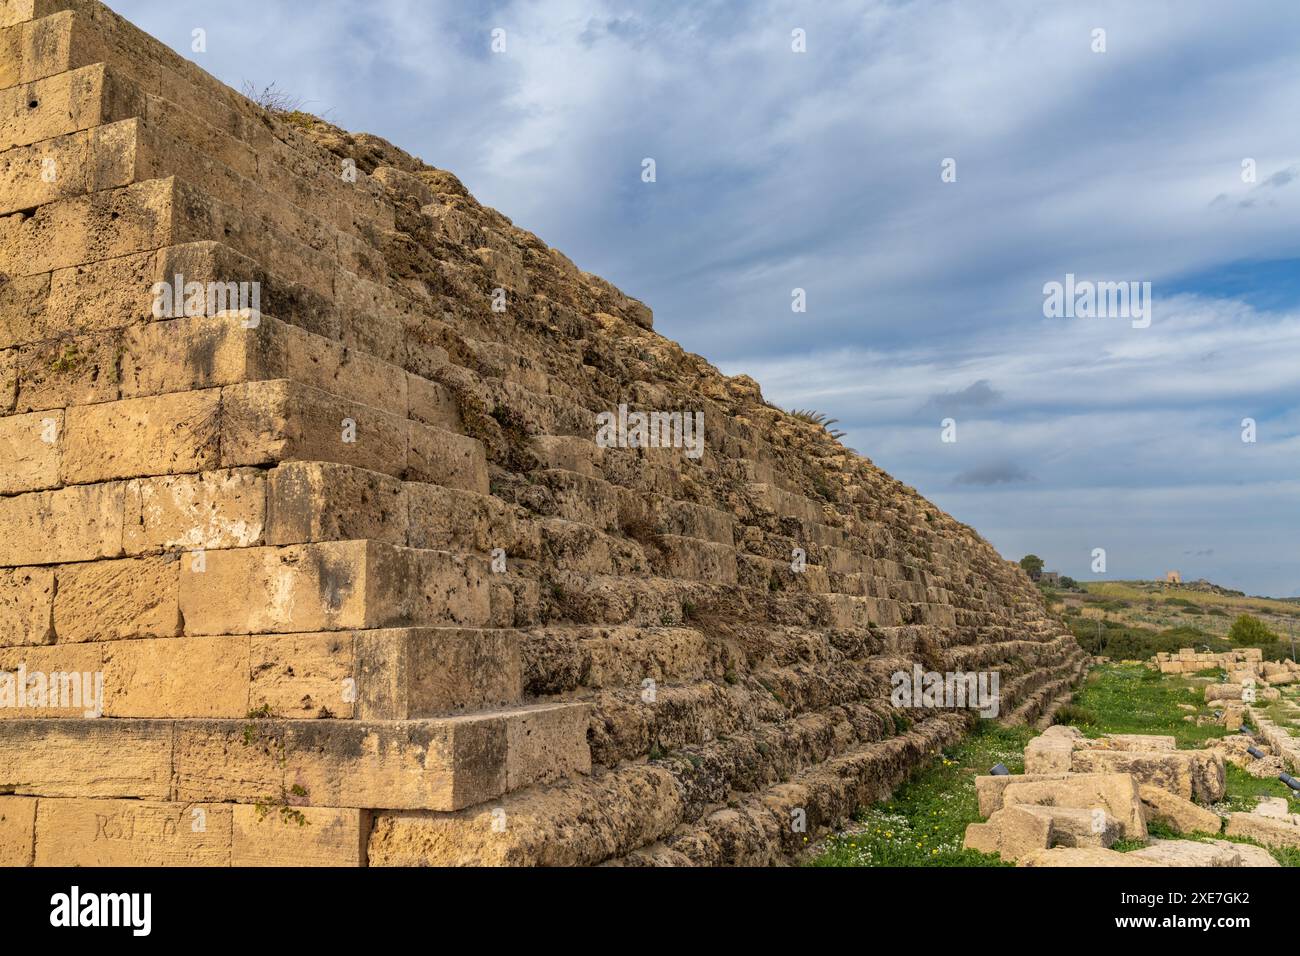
x: 820, y: 170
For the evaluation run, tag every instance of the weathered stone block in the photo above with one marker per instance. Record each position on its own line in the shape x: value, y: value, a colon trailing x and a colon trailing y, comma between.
x: 433, y: 404
x: 193, y: 677
x: 26, y: 606
x: 445, y: 458
x: 211, y: 511
x: 304, y: 675
x: 87, y: 758
x: 71, y: 524
x: 436, y: 765
x: 274, y: 421
x: 118, y: 600
x: 166, y: 435
x: 299, y: 836
x: 1180, y: 815
x: 1116, y: 793
x: 320, y: 501
x: 1270, y: 831
x: 17, y: 831
x: 1011, y: 832
x: 1191, y: 774
x: 331, y: 586
x: 423, y: 672
x: 131, y: 833
x: 30, y: 447
x: 546, y: 743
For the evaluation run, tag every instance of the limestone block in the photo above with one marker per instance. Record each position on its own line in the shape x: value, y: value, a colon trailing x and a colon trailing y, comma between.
x: 1010, y: 832
x: 17, y: 831
x: 331, y: 586
x: 268, y: 422
x: 209, y: 511
x: 1191, y: 774
x: 71, y: 524
x: 1084, y: 857
x: 30, y: 447
x: 437, y: 764
x: 303, y: 675
x: 131, y: 833
x: 1180, y: 815
x: 1270, y: 831
x: 1116, y: 793
x: 118, y: 600
x: 1190, y: 853
x: 445, y: 458
x: 319, y: 501
x: 26, y: 606
x: 165, y: 435
x: 87, y: 758
x: 407, y: 673
x: 299, y: 836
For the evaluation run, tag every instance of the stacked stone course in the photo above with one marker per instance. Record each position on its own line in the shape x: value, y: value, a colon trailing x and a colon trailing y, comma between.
x: 360, y: 585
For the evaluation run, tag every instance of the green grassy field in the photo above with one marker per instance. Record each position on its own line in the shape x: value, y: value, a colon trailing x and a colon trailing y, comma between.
x: 924, y: 823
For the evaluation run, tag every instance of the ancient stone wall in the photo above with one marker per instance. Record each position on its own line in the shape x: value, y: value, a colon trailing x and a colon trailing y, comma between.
x: 346, y: 578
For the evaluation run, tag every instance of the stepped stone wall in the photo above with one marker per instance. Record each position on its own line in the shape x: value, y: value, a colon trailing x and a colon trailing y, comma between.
x: 349, y: 580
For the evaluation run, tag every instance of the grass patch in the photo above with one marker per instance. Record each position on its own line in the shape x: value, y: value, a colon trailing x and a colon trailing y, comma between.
x: 925, y: 822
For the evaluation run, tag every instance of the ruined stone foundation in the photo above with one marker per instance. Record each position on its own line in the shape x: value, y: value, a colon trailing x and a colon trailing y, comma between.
x: 300, y: 489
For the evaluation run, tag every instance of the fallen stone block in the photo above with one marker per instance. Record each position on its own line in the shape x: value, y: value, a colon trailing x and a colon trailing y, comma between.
x: 1180, y: 815
x: 1270, y: 831
x: 1076, y: 826
x: 1135, y: 742
x: 1222, y: 692
x: 1191, y: 774
x: 1250, y: 855
x: 989, y: 788
x: 1273, y: 807
x: 1049, y: 754
x: 1084, y: 857
x: 1116, y: 793
x: 1193, y: 853
x: 1011, y: 832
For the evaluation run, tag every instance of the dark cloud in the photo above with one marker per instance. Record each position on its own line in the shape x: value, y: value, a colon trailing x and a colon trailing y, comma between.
x: 994, y: 473
x: 980, y: 394
x: 1282, y: 177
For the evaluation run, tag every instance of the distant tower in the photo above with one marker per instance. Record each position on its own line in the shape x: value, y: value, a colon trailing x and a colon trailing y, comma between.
x: 1173, y: 577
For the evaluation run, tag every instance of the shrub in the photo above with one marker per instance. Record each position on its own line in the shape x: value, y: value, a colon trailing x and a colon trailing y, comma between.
x: 1074, y: 715
x: 272, y: 99
x: 1251, y: 632
x: 817, y: 418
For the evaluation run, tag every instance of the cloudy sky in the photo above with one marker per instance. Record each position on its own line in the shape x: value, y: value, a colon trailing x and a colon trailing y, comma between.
x: 1173, y: 157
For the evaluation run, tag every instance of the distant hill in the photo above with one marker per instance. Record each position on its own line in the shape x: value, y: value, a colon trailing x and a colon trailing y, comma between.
x: 1134, y: 619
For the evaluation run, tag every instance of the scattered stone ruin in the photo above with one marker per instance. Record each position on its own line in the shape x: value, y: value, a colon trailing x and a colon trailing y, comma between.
x: 1078, y: 797
x: 309, y: 553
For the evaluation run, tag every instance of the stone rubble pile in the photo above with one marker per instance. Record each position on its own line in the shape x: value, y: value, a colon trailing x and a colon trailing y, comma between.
x: 1080, y: 796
